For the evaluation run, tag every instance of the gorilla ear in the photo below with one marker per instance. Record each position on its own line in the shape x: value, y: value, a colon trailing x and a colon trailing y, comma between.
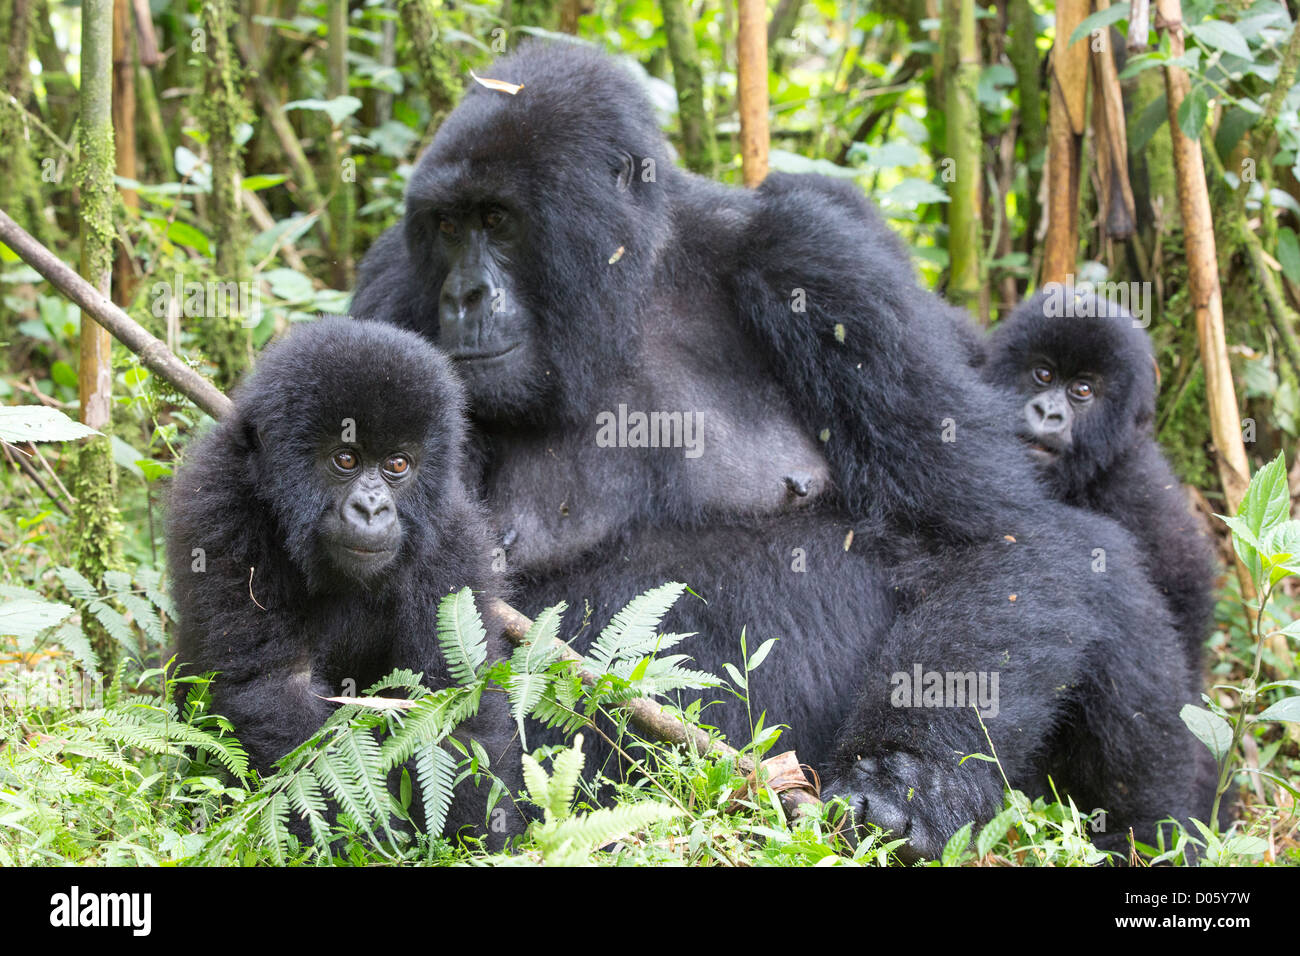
x: 626, y: 172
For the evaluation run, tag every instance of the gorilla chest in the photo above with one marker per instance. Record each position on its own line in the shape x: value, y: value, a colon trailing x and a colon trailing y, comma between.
x: 351, y: 641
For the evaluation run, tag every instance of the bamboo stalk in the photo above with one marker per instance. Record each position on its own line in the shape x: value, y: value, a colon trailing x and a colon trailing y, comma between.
x: 1203, y: 272
x: 1069, y: 89
x: 751, y: 69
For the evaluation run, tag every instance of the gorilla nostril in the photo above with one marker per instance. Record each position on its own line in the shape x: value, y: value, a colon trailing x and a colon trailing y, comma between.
x: 473, y: 298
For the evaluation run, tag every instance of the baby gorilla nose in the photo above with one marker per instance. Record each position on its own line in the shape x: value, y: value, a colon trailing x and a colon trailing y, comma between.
x: 371, y: 511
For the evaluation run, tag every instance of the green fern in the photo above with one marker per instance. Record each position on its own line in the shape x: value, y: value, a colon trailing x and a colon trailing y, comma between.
x: 529, y: 665
x: 461, y: 636
x: 566, y: 839
x: 633, y: 630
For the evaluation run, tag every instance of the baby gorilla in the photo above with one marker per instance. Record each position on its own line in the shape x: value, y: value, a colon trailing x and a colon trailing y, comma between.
x: 1086, y: 374
x: 312, y: 533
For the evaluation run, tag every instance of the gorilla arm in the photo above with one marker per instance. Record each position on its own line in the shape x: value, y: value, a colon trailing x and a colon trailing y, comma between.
x: 876, y: 365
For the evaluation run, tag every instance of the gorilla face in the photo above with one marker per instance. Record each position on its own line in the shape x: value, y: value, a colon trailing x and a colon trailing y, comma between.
x: 1059, y: 400
x: 357, y: 461
x: 485, y: 322
x: 535, y: 240
x: 362, y: 530
x: 1086, y: 380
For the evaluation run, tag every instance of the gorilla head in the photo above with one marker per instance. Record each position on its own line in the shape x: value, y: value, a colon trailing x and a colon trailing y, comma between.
x: 352, y: 458
x: 1086, y: 374
x: 532, y: 237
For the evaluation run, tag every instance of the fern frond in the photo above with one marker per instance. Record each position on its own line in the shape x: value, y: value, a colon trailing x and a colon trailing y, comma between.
x: 435, y: 770
x: 566, y: 770
x: 362, y: 752
x: 461, y: 635
x: 77, y: 586
x: 634, y: 626
x: 400, y: 679
x: 337, y: 778
x: 145, y: 616
x: 305, y: 796
x: 428, y: 721
x: 73, y: 640
x: 574, y: 839
x: 273, y: 823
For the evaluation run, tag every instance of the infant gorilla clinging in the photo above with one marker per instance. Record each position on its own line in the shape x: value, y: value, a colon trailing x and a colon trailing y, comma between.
x: 313, y: 532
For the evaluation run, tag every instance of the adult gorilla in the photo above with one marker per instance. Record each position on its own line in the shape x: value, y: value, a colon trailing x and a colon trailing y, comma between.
x: 578, y: 279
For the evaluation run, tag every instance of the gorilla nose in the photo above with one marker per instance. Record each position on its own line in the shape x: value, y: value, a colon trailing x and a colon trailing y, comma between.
x: 462, y: 302
x: 372, y: 511
x: 1046, y: 414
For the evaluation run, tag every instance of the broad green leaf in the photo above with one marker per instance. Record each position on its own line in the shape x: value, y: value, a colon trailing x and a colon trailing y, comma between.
x: 1141, y: 62
x: 1209, y: 728
x: 263, y: 181
x: 993, y: 831
x: 787, y: 162
x: 761, y: 654
x: 63, y: 374
x: 1267, y: 501
x: 955, y: 849
x: 914, y: 192
x: 736, y: 676
x: 1192, y: 112
x: 40, y: 423
x: 887, y: 155
x: 1153, y: 116
x: 1099, y: 20
x: 1288, y: 253
x: 1286, y: 709
x: 184, y: 234
x: 1284, y: 539
x: 337, y: 109
x: 27, y: 617
x: 1220, y: 35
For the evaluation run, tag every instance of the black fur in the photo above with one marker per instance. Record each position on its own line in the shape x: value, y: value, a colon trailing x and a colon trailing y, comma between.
x: 1112, y: 464
x: 790, y: 317
x: 252, y: 498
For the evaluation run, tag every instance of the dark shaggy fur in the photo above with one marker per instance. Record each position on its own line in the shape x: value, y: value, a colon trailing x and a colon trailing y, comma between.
x: 253, y: 496
x: 1113, y: 464
x: 789, y: 317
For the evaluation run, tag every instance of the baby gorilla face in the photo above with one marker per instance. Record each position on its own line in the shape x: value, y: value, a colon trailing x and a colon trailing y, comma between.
x: 362, y: 529
x: 1058, y: 405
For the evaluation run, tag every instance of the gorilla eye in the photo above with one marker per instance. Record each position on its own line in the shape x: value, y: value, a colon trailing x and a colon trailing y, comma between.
x: 397, y: 466
x: 1043, y: 375
x: 446, y: 226
x: 1081, y: 390
x: 345, y: 461
x: 493, y: 218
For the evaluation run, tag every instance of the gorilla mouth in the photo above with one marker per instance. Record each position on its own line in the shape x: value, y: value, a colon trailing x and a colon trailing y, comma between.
x: 483, y: 355
x: 1040, y: 451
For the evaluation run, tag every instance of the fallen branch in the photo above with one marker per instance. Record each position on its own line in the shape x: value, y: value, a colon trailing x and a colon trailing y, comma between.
x: 649, y: 717
x: 153, y: 353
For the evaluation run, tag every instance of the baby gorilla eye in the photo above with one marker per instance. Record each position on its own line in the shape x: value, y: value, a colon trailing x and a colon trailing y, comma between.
x: 345, y: 461
x: 1043, y: 375
x: 493, y: 218
x: 1081, y: 390
x: 446, y: 226
x: 397, y: 466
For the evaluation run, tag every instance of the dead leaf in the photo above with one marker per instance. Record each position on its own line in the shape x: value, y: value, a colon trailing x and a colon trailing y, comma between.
x: 374, y: 703
x: 501, y: 86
